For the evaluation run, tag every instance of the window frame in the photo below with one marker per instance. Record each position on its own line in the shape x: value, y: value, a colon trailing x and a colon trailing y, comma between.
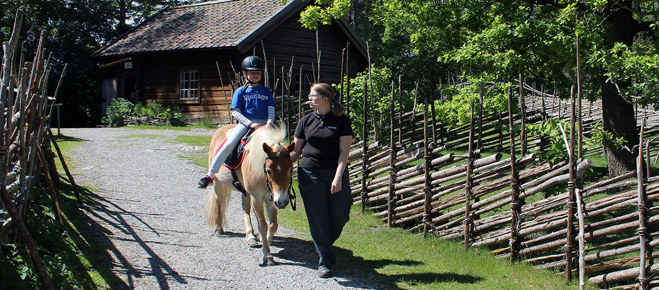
x: 189, y: 86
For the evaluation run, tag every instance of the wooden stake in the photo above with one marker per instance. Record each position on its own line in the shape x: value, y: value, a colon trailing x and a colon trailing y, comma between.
x: 51, y: 189
x: 66, y: 168
x: 515, y: 205
x: 39, y: 267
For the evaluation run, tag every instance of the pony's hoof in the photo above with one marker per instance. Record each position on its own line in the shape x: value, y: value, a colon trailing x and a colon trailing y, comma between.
x: 253, y: 243
x: 219, y: 232
x: 269, y: 261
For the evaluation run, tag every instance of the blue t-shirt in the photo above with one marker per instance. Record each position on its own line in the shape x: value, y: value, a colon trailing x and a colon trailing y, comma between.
x: 254, y: 102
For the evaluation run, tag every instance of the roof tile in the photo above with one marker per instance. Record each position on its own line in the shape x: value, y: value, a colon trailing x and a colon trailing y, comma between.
x: 212, y: 24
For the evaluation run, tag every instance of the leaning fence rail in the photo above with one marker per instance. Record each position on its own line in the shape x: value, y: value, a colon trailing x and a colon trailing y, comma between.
x: 25, y: 155
x: 521, y: 208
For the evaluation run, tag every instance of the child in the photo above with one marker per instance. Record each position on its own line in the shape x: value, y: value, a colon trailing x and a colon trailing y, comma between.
x: 252, y: 106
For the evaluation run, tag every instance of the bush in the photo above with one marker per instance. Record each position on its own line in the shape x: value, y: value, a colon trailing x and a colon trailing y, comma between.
x: 119, y: 109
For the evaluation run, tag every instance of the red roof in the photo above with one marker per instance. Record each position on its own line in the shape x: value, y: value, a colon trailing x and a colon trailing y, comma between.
x: 215, y: 24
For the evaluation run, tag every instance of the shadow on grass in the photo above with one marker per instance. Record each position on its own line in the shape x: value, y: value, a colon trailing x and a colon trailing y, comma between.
x: 355, y: 271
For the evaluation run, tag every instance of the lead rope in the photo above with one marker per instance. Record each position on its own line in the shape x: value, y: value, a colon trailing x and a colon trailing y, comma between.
x: 292, y: 196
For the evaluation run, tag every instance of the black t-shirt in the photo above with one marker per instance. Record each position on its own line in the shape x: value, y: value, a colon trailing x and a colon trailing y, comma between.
x: 321, y: 133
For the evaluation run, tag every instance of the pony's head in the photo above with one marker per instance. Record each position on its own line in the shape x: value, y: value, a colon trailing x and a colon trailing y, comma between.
x: 277, y: 165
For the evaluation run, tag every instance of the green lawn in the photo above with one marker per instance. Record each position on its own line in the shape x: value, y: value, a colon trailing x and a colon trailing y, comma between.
x: 400, y: 259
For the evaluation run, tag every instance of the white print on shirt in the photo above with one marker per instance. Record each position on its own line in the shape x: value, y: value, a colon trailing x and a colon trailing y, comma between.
x: 255, y: 96
x: 332, y: 127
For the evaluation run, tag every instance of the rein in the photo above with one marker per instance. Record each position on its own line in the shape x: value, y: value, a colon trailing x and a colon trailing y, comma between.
x: 291, y: 191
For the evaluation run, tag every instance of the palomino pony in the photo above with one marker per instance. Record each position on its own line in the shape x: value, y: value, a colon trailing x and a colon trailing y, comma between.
x: 265, y: 173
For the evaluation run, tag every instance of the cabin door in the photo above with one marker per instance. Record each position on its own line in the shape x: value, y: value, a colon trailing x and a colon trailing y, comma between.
x: 108, y: 92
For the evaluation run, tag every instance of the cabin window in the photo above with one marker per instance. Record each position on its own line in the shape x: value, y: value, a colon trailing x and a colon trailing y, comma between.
x: 189, y: 85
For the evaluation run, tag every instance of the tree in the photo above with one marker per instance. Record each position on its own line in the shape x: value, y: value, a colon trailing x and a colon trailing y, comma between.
x: 496, y: 40
x: 75, y: 30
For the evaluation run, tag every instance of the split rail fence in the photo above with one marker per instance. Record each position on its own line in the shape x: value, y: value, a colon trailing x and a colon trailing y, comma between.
x: 522, y: 208
x: 26, y: 158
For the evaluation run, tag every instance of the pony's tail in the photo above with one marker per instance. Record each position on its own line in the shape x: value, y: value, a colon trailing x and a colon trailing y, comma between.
x: 216, y: 207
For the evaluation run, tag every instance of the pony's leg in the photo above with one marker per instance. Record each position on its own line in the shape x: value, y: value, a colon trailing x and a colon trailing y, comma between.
x: 263, y: 229
x: 251, y: 239
x: 273, y: 225
x: 218, y: 199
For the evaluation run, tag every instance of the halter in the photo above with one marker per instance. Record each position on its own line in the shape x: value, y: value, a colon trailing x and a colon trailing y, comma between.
x: 291, y: 191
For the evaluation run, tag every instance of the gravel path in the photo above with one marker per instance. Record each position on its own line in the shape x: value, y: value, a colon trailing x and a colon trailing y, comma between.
x: 152, y: 218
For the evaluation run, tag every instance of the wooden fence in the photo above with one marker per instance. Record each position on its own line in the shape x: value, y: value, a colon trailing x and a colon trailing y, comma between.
x: 523, y: 209
x: 25, y: 152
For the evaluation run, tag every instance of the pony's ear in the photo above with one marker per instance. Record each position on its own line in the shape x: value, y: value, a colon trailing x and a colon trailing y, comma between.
x: 290, y: 147
x: 267, y: 149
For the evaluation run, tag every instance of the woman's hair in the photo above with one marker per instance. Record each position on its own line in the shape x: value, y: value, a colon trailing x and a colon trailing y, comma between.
x: 326, y: 90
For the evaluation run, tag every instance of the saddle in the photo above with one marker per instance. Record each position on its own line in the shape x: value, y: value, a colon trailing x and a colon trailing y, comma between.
x: 235, y: 159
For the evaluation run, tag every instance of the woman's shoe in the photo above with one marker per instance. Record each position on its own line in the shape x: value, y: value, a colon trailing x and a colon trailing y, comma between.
x: 324, y: 271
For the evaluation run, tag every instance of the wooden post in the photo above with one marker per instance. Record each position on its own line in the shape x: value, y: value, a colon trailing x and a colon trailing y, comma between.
x: 522, y: 106
x: 227, y: 100
x: 582, y: 246
x: 370, y: 90
x: 480, y: 118
x: 51, y: 188
x: 434, y: 122
x: 579, y: 92
x: 66, y: 168
x: 343, y: 58
x: 318, y: 56
x: 643, y: 209
x: 392, y: 164
x: 347, y: 79
x: 400, y: 110
x: 364, y: 152
x: 426, y: 171
x: 441, y: 124
x: 500, y: 121
x: 515, y: 205
x: 571, y: 204
x: 299, y: 96
x: 542, y: 98
x: 468, y: 222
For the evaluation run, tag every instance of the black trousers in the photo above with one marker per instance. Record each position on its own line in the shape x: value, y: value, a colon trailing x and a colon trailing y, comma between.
x: 327, y: 213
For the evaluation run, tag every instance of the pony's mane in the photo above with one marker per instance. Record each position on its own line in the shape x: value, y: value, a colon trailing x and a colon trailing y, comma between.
x: 273, y: 136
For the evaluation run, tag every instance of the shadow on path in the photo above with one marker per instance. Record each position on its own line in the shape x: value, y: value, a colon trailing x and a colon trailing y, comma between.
x: 355, y: 271
x: 116, y: 217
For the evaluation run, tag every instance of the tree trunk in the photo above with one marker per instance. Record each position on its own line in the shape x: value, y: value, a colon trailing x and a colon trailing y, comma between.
x: 617, y: 112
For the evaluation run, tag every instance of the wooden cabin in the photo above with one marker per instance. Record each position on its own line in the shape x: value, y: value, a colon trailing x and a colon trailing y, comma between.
x: 188, y: 57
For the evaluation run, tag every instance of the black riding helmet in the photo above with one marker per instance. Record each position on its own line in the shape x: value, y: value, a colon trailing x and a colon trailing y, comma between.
x: 252, y: 63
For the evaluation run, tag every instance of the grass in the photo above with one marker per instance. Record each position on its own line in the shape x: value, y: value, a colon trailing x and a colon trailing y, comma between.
x: 400, y: 259
x: 395, y: 257
x: 72, y: 260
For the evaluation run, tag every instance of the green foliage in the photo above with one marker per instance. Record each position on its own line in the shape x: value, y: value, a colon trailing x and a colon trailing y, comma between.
x: 552, y: 137
x: 554, y: 142
x: 601, y: 138
x: 456, y: 109
x: 119, y: 109
x: 379, y: 93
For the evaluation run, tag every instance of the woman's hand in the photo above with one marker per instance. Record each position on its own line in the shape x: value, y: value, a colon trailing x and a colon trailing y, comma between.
x: 336, y: 185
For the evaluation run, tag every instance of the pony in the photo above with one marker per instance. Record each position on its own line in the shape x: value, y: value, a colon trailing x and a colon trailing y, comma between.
x: 265, y: 173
